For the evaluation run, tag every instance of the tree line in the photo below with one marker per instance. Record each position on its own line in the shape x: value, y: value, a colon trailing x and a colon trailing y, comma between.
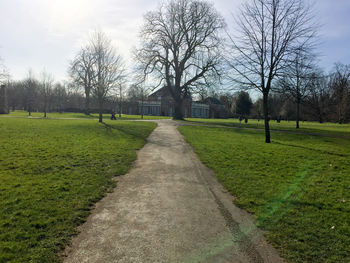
x: 322, y: 98
x: 187, y: 46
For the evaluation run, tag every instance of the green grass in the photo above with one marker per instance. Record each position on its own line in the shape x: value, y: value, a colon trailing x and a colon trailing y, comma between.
x: 297, y: 187
x: 306, y: 127
x: 74, y: 115
x: 51, y: 174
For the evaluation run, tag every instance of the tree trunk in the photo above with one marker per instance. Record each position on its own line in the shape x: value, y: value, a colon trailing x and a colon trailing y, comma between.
x: 178, y: 114
x: 298, y: 114
x: 142, y: 108
x: 120, y: 107
x: 100, y: 111
x: 320, y: 115
x: 87, y: 104
x: 45, y: 106
x: 266, y: 117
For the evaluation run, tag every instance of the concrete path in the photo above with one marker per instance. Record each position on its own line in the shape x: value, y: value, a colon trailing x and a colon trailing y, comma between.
x: 169, y: 208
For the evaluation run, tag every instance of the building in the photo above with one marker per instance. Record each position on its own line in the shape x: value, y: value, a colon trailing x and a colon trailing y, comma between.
x: 161, y: 103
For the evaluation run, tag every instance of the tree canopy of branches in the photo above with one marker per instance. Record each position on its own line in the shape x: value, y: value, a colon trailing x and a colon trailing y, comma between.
x: 46, y: 84
x: 319, y: 97
x: 81, y: 72
x: 269, y: 33
x: 4, y: 73
x: 31, y: 89
x: 98, y: 69
x: 340, y: 86
x: 181, y: 40
x: 296, y: 79
x: 108, y: 69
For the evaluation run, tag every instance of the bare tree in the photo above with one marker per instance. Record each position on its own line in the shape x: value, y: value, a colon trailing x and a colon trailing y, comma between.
x: 4, y: 73
x: 340, y: 85
x: 59, y: 96
x: 320, y: 93
x: 121, y: 91
x: 269, y: 32
x: 138, y: 93
x: 181, y: 40
x: 46, y: 84
x: 296, y: 78
x: 81, y: 71
x: 31, y: 89
x: 108, y: 69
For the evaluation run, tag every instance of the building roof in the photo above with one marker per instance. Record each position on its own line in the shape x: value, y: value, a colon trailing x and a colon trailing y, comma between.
x: 163, y: 92
x: 212, y: 100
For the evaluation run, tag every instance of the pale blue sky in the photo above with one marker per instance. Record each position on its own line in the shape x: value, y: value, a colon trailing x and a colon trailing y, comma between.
x: 46, y: 34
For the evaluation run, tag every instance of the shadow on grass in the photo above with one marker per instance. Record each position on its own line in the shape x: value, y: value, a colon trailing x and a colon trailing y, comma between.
x: 311, y: 149
x: 273, y: 128
x: 137, y: 132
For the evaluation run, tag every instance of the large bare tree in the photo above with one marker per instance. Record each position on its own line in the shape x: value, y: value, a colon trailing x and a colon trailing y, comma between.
x: 181, y: 47
x: 108, y: 69
x: 99, y: 69
x: 81, y: 71
x: 268, y: 34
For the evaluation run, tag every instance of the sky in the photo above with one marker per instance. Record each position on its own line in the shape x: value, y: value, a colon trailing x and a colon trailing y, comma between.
x: 46, y: 34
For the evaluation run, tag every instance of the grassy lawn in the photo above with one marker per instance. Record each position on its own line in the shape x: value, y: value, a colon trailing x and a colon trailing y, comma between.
x: 307, y: 127
x: 51, y: 173
x: 297, y: 187
x: 82, y: 115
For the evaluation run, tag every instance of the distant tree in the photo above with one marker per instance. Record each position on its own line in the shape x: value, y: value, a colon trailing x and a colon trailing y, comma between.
x: 15, y: 92
x: 138, y: 93
x: 59, y: 96
x: 257, y: 109
x: 46, y: 84
x: 75, y: 99
x: 243, y: 104
x: 108, y: 69
x: 81, y: 72
x: 181, y: 40
x: 4, y: 81
x: 288, y: 109
x: 227, y: 100
x: 276, y: 104
x: 340, y: 86
x: 4, y: 73
x: 296, y: 77
x: 3, y: 99
x: 319, y: 99
x: 269, y: 33
x: 121, y: 93
x: 31, y: 90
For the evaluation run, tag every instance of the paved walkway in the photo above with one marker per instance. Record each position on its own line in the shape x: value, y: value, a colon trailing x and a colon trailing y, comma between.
x: 169, y: 208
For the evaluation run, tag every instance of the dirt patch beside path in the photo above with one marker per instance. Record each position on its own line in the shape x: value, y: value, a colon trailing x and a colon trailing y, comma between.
x: 169, y: 208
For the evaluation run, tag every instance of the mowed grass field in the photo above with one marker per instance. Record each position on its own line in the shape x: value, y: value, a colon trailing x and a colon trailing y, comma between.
x: 73, y: 115
x: 297, y: 187
x: 51, y: 174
